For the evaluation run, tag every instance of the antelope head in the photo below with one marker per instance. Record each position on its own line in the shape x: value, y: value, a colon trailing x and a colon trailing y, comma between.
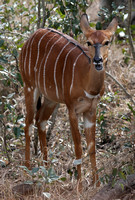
x: 98, y: 41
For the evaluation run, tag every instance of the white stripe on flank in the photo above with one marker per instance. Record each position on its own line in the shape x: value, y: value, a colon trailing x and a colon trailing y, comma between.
x: 73, y: 72
x: 26, y: 53
x: 57, y: 94
x: 39, y: 49
x: 30, y: 51
x: 43, y: 59
x: 65, y: 67
x: 46, y: 62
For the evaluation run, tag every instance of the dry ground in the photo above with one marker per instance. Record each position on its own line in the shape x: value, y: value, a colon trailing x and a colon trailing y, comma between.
x: 115, y: 153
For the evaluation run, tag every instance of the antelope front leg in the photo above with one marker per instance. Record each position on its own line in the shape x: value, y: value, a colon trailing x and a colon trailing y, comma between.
x: 77, y: 143
x: 90, y: 126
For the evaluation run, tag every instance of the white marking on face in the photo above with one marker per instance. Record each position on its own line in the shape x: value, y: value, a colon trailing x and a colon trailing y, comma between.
x: 90, y: 146
x: 73, y: 71
x: 65, y: 62
x: 43, y: 59
x: 44, y: 75
x: 91, y: 96
x: 30, y: 130
x: 29, y: 90
x: 43, y: 125
x: 57, y: 94
x: 100, y: 63
x: 87, y: 123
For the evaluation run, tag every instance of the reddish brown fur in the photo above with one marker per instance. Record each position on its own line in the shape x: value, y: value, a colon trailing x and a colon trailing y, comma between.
x: 69, y: 78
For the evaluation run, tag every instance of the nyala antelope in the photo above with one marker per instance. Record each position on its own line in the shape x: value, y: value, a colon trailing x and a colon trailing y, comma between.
x: 56, y: 66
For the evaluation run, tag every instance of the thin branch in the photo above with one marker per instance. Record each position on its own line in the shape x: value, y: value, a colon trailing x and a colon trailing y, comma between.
x: 129, y: 28
x: 9, y: 32
x: 5, y: 141
x: 122, y: 87
x: 44, y: 14
x: 39, y: 15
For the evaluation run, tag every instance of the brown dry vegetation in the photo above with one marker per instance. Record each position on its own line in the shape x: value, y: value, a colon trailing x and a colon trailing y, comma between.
x: 112, y: 154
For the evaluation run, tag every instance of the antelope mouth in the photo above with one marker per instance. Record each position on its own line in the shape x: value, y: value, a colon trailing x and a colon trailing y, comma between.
x: 99, y: 67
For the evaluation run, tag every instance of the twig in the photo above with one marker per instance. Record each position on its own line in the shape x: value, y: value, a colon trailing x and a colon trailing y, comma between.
x: 9, y: 32
x: 39, y: 15
x: 44, y: 14
x: 5, y: 142
x: 122, y: 87
x: 129, y: 29
x: 36, y: 141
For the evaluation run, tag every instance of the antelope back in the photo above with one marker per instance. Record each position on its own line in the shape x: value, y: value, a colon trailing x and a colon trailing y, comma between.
x: 54, y: 63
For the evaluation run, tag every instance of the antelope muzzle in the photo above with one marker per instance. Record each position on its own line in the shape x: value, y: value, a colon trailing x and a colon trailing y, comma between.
x: 97, y: 60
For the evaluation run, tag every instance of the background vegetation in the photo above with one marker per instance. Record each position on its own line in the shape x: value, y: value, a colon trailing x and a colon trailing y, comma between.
x: 115, y: 115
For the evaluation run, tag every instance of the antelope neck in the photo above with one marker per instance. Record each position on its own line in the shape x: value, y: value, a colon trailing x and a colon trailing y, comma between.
x: 72, y: 41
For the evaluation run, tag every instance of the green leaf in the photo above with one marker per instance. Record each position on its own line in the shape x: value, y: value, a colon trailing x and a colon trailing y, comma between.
x: 2, y: 59
x: 19, y: 78
x: 1, y: 43
x: 47, y: 195
x: 131, y: 108
x: 62, y: 9
x: 28, y: 182
x: 1, y: 68
x: 35, y: 169
x: 17, y: 132
x: 44, y: 170
x: 26, y: 169
x: 115, y: 171
x: 63, y: 179
x: 51, y: 172
x: 122, y: 186
x: 130, y: 170
x: 70, y: 172
x: 14, y: 52
x: 98, y: 26
x: 10, y: 95
x: 122, y: 175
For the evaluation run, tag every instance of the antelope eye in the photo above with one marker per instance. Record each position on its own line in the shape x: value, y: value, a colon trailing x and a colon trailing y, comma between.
x: 89, y: 44
x: 106, y: 43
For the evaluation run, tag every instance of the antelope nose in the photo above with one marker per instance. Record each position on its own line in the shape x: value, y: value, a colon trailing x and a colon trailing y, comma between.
x: 97, y: 60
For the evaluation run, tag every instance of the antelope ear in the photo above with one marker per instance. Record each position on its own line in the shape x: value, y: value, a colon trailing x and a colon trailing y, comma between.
x: 84, y: 24
x: 113, y: 26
